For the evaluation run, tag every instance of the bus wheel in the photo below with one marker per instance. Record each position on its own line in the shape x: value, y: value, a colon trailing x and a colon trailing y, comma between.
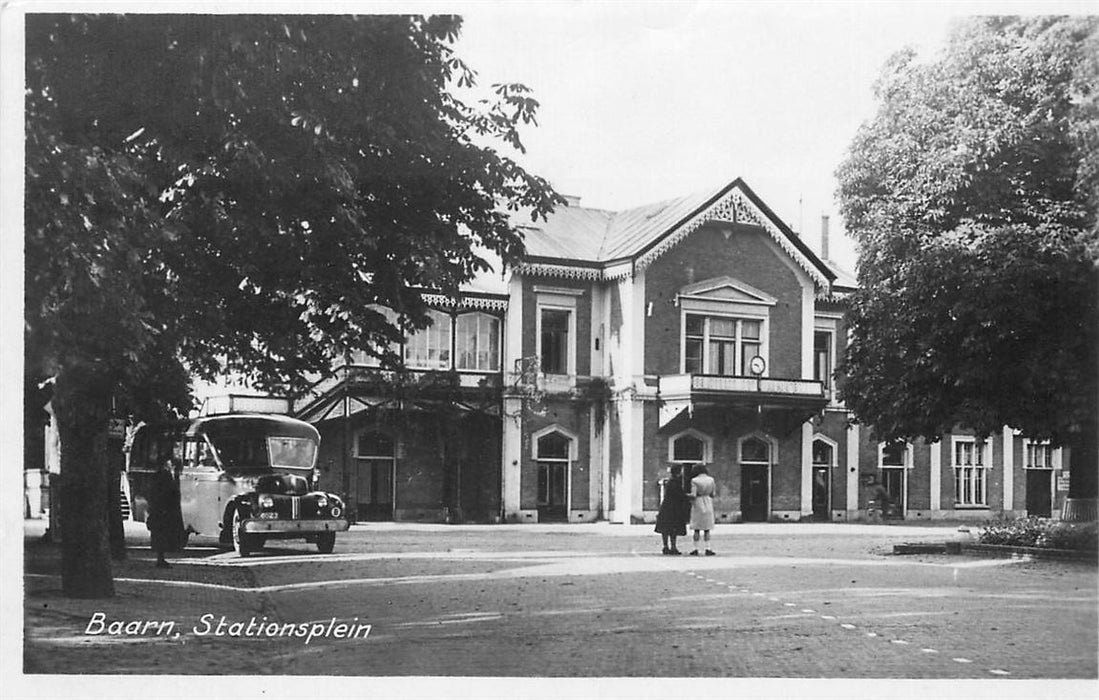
x: 326, y: 541
x: 243, y: 543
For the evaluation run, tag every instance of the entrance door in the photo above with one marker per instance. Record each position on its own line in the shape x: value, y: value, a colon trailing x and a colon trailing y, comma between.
x: 554, y: 456
x: 821, y: 489
x: 823, y: 457
x: 375, y: 489
x: 374, y: 466
x: 552, y: 491
x: 893, y: 481
x: 1039, y: 502
x: 754, y: 496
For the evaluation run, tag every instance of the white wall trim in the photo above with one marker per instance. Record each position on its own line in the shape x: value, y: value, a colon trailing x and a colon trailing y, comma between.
x: 807, y: 469
x: 1009, y: 468
x: 852, y: 471
x: 936, y: 475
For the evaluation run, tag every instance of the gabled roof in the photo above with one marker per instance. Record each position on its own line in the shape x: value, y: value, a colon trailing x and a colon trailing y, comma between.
x: 576, y: 241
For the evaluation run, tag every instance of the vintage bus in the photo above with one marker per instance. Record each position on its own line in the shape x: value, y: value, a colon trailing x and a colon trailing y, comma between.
x: 243, y: 478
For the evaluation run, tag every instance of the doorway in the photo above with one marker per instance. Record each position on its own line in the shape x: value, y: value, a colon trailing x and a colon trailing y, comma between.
x: 1039, y: 498
x: 754, y: 497
x: 553, y: 477
x: 374, y: 476
x: 893, y: 481
x: 823, y: 455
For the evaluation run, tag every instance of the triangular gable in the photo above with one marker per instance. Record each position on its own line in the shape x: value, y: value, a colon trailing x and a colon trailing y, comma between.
x: 737, y: 203
x: 726, y: 289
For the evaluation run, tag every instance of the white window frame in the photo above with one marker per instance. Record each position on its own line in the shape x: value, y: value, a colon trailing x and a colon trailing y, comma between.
x: 557, y: 302
x: 739, y: 359
x: 573, y: 441
x: 827, y: 324
x: 430, y: 332
x: 498, y: 350
x: 908, y: 457
x: 1054, y: 454
x: 832, y: 445
x: 362, y: 358
x: 772, y: 450
x: 707, y: 446
x: 970, y: 498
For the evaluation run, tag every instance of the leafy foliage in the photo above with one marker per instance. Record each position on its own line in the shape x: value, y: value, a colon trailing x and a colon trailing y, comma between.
x: 972, y: 195
x: 209, y: 194
x: 1036, y: 532
x: 243, y: 189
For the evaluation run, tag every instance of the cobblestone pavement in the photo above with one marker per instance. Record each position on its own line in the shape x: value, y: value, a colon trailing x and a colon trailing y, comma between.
x: 779, y: 601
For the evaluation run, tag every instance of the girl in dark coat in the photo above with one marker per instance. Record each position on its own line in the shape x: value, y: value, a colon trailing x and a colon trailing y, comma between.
x: 671, y: 519
x: 165, y: 520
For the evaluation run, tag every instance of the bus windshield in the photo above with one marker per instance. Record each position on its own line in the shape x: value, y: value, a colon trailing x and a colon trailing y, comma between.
x: 265, y: 452
x: 292, y: 452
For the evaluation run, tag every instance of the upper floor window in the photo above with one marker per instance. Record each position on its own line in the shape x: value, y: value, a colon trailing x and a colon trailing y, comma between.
x: 554, y: 341
x: 970, y: 459
x: 477, y: 342
x: 429, y: 348
x: 720, y: 345
x: 822, y: 358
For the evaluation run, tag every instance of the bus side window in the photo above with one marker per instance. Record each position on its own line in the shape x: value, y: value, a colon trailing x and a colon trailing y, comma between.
x: 206, y: 455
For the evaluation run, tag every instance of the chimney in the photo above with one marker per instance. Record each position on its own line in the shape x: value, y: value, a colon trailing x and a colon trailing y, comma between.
x: 824, y: 236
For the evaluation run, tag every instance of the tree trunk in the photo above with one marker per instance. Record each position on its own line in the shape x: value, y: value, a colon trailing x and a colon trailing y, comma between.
x: 82, y: 406
x: 1084, y: 463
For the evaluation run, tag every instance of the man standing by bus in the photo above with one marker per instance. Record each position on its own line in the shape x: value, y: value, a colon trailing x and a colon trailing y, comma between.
x: 165, y: 520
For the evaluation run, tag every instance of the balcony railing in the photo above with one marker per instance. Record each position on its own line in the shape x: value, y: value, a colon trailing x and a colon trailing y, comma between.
x: 683, y: 386
x: 403, y: 384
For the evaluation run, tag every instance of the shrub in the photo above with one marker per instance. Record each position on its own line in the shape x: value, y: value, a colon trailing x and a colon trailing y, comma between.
x: 1023, y: 532
x: 1078, y: 536
x: 1035, y: 532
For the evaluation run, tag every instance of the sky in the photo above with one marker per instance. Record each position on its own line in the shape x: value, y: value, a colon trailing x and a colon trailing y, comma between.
x: 643, y: 101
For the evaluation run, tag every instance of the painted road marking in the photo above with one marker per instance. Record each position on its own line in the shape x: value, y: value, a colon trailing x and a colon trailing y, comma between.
x: 847, y: 626
x: 962, y: 660
x: 898, y: 641
x: 999, y: 672
x: 929, y: 651
x: 828, y: 617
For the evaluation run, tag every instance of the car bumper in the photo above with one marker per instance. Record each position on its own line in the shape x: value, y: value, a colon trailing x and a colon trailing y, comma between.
x: 264, y: 527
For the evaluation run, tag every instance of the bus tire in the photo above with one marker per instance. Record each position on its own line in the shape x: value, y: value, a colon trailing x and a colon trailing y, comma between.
x: 243, y: 543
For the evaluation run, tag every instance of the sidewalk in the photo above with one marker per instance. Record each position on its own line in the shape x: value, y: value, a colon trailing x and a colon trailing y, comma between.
x: 138, y: 535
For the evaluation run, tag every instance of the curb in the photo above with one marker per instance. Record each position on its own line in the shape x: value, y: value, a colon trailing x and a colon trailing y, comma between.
x: 1041, y: 552
x: 974, y: 549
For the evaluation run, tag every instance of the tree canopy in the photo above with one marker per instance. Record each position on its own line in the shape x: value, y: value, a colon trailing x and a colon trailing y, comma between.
x: 973, y: 195
x: 239, y: 193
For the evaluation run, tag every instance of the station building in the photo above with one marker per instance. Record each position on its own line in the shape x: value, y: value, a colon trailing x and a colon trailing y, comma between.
x: 699, y: 330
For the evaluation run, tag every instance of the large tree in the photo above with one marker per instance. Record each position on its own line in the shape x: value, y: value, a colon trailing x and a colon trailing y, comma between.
x: 973, y: 195
x: 236, y: 193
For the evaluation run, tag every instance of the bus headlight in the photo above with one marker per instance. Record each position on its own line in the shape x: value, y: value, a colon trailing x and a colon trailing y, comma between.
x: 266, y: 502
x: 322, y: 501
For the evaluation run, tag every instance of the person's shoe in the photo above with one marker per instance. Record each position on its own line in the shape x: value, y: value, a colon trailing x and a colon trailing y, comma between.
x: 694, y: 553
x: 666, y: 551
x: 675, y: 552
x: 710, y: 552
